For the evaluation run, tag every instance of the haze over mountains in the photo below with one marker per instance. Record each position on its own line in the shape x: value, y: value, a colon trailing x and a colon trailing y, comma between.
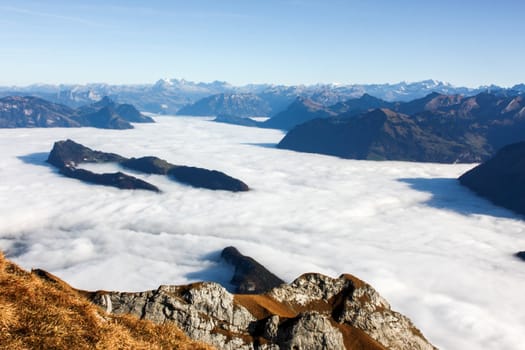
x: 34, y: 112
x: 169, y: 95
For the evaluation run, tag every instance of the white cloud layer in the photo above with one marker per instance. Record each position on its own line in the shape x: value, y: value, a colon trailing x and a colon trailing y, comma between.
x: 439, y: 254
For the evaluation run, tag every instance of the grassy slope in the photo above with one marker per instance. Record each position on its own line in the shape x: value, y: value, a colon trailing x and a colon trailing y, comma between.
x: 40, y: 313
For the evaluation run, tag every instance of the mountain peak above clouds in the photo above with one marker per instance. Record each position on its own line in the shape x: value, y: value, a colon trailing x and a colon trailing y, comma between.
x: 169, y: 95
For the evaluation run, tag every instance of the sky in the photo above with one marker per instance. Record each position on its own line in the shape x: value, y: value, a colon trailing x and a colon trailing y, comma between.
x: 468, y: 43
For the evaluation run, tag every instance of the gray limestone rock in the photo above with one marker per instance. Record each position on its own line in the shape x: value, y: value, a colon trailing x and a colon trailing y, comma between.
x: 313, y: 312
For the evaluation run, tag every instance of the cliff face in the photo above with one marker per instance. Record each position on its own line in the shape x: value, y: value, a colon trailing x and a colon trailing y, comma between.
x: 313, y: 312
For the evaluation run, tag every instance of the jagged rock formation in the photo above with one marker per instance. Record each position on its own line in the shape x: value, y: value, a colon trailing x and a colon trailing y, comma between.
x: 30, y: 112
x: 70, y: 153
x: 204, y: 178
x: 118, y: 179
x: 39, y: 311
x: 249, y: 277
x: 193, y: 176
x: 313, y: 312
x: 436, y: 128
x: 67, y: 155
x: 501, y: 178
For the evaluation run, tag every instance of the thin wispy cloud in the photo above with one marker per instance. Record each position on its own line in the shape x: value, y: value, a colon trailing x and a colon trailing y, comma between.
x: 43, y: 14
x: 152, y: 11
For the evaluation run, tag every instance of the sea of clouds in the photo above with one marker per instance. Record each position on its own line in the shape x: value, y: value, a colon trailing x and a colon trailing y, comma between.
x: 435, y: 251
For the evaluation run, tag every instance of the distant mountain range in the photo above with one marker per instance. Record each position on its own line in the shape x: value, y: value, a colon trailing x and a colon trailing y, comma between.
x: 168, y: 96
x: 436, y: 128
x: 34, y: 112
x: 242, y: 105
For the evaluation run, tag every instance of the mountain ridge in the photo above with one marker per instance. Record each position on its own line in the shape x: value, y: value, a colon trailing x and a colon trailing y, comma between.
x: 436, y: 128
x: 167, y: 96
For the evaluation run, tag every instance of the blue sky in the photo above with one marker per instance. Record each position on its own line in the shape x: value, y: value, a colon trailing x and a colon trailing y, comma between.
x: 246, y: 41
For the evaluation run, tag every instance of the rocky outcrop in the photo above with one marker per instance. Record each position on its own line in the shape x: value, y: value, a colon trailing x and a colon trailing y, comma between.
x: 249, y: 277
x: 118, y: 179
x: 193, y: 176
x: 313, y: 312
x: 67, y: 155
x: 209, y: 179
x: 501, y: 178
x: 31, y: 112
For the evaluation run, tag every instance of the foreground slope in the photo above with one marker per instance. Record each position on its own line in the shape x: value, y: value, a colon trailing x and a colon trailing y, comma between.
x: 313, y: 312
x: 38, y: 311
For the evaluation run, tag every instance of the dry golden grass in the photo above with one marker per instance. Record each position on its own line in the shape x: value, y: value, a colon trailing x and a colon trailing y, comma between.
x: 40, y: 313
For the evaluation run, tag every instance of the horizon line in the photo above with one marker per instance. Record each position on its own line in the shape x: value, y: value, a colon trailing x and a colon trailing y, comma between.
x: 4, y: 85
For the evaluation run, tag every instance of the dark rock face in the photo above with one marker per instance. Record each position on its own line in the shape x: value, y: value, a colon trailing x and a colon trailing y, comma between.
x: 66, y: 155
x: 196, y: 177
x: 520, y: 255
x: 30, y: 112
x: 240, y: 104
x: 148, y: 165
x: 69, y: 153
x: 118, y: 180
x: 440, y: 128
x: 501, y: 178
x: 249, y: 277
x: 313, y: 312
x: 204, y: 178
